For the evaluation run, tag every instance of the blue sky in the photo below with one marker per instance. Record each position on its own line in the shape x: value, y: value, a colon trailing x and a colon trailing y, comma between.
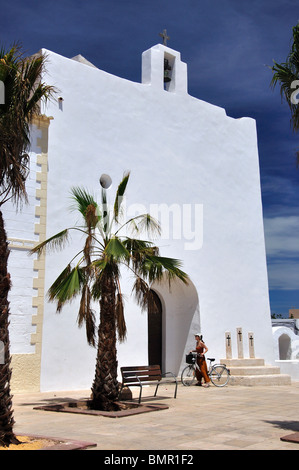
x: 228, y: 46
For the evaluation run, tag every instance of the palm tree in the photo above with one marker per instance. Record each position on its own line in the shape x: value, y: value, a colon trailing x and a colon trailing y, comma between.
x: 94, y: 274
x: 21, y: 78
x: 286, y: 75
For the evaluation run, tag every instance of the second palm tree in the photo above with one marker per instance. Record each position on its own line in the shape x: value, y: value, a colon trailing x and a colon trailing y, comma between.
x: 94, y: 274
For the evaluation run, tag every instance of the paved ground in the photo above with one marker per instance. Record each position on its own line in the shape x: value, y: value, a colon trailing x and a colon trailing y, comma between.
x: 230, y: 418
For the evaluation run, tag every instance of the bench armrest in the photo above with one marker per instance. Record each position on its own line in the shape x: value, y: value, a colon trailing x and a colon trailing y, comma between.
x: 166, y: 373
x: 175, y: 381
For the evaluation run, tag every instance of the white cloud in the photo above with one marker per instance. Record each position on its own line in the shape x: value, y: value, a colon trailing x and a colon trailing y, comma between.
x: 282, y: 236
x: 282, y: 247
x: 283, y: 275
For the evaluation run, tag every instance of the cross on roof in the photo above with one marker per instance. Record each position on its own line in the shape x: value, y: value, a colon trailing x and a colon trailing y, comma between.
x: 164, y: 36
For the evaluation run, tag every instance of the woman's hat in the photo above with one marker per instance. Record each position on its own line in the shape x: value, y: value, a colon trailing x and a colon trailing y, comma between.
x: 197, y: 334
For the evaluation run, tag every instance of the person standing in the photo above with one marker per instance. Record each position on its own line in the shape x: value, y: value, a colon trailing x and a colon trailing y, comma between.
x: 201, y: 349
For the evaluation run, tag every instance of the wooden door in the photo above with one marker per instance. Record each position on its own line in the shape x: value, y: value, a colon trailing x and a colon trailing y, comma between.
x: 155, y: 331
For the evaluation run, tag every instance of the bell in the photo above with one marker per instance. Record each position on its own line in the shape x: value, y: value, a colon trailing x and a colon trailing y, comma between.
x: 167, y: 68
x: 166, y: 76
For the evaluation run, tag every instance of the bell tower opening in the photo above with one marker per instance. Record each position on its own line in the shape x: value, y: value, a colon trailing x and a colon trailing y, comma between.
x: 162, y: 68
x: 169, y: 75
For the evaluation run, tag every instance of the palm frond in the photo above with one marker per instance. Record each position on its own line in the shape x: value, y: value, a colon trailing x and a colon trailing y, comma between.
x: 143, y: 222
x: 116, y: 250
x: 119, y: 195
x: 23, y: 93
x: 150, y: 225
x: 120, y: 318
x: 139, y: 248
x: 99, y: 266
x: 33, y: 90
x: 85, y: 203
x: 141, y: 291
x: 286, y: 77
x: 55, y: 242
x: 285, y: 74
x: 86, y: 315
x: 154, y: 268
x: 67, y: 285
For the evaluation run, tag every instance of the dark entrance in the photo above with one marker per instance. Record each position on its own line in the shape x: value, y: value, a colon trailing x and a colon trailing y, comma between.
x: 155, y: 331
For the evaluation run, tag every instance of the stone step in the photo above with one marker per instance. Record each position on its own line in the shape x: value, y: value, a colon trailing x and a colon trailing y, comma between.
x: 252, y: 380
x: 246, y: 362
x: 254, y: 370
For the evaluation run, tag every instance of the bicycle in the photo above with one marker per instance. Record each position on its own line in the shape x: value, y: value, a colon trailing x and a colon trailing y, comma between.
x: 218, y: 373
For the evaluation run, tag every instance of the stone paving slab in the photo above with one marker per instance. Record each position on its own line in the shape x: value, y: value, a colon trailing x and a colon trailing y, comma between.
x: 229, y: 418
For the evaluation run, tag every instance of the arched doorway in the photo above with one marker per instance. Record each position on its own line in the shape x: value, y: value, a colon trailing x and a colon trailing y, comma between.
x: 154, y: 320
x: 178, y: 317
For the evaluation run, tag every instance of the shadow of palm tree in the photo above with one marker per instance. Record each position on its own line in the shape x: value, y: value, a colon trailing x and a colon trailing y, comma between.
x: 289, y: 425
x: 53, y: 400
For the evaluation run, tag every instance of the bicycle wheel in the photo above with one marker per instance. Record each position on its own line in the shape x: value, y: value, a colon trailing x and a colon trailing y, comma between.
x: 219, y: 375
x: 188, y: 375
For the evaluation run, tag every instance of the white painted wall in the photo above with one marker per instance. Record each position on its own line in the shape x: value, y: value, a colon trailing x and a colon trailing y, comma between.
x: 20, y: 298
x: 181, y: 151
x: 20, y: 225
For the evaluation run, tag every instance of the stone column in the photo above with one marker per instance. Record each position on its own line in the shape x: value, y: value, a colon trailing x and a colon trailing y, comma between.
x: 240, y: 343
x: 228, y: 345
x: 251, y: 344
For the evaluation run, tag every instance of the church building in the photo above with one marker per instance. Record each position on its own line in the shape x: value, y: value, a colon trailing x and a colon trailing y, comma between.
x: 193, y: 168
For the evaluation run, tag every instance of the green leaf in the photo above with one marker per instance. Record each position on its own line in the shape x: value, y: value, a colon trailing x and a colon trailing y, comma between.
x: 143, y: 222
x: 136, y: 246
x: 149, y: 224
x: 86, y: 315
x: 120, y: 318
x: 142, y: 291
x: 119, y: 195
x: 67, y: 285
x: 84, y: 202
x: 155, y: 266
x: 116, y: 250
x: 55, y: 242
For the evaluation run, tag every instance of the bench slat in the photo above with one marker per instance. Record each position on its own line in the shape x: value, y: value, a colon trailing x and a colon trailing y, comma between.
x: 140, y: 373
x: 140, y: 368
x: 141, y: 379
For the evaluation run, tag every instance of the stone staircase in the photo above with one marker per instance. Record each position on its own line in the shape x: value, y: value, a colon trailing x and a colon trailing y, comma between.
x: 251, y: 372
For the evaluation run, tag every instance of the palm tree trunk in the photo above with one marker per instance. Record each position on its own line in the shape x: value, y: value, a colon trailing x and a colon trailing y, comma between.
x: 105, y: 385
x: 6, y: 414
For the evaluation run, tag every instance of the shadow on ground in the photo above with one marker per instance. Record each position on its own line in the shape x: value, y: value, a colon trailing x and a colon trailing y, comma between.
x: 289, y: 425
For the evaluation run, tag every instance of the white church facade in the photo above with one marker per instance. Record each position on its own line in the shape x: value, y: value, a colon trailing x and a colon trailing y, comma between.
x: 193, y: 167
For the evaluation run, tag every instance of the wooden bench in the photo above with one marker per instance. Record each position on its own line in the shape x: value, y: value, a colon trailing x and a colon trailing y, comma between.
x: 136, y: 376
